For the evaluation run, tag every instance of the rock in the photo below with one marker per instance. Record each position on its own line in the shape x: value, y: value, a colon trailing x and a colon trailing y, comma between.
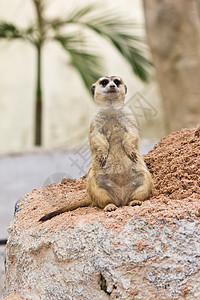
x: 148, y: 252
x: 15, y: 296
x: 88, y: 259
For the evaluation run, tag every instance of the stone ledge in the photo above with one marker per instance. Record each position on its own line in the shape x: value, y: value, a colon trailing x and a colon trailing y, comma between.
x: 141, y: 261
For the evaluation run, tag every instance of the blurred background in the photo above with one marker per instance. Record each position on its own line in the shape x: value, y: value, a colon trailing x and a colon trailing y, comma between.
x: 51, y: 51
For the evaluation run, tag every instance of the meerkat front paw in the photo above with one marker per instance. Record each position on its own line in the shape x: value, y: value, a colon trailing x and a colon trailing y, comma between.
x: 102, y: 160
x: 110, y: 207
x: 135, y: 202
x: 133, y: 156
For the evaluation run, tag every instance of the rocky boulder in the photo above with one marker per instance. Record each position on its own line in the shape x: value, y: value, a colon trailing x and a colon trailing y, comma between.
x: 146, y: 252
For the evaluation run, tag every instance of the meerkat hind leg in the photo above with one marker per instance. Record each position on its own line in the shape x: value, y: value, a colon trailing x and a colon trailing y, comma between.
x: 99, y: 195
x: 143, y: 192
x: 139, y: 197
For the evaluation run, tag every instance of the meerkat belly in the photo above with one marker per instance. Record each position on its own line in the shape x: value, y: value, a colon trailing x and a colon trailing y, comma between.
x: 119, y: 176
x: 120, y: 182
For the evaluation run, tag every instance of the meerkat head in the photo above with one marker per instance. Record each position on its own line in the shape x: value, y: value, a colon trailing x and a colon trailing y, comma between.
x: 109, y: 90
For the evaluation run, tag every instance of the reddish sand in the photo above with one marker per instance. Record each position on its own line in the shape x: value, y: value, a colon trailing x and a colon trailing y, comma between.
x: 175, y: 167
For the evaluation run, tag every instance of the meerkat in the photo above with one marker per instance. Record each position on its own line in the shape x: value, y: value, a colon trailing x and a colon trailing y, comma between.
x: 117, y: 175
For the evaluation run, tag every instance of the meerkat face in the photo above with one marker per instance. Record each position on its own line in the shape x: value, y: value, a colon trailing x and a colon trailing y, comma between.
x: 109, y: 90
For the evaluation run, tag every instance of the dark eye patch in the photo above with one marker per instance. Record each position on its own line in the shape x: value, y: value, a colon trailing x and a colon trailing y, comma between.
x: 117, y: 82
x: 104, y: 82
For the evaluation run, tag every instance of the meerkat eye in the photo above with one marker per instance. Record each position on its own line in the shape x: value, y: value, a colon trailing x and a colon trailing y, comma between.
x: 104, y: 82
x: 117, y: 82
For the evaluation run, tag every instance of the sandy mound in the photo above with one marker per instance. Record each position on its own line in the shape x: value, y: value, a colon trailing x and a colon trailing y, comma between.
x: 175, y: 168
x: 175, y: 165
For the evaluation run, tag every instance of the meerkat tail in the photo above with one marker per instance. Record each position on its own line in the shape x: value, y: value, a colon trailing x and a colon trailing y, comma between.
x: 69, y: 207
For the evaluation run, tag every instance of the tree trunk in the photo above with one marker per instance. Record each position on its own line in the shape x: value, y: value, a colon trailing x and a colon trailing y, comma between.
x: 173, y: 30
x: 39, y: 8
x: 38, y: 113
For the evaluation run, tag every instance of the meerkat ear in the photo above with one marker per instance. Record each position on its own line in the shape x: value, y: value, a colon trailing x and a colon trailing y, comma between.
x: 125, y: 89
x: 93, y: 88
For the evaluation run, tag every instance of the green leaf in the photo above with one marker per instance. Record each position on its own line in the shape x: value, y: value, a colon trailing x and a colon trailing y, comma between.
x: 119, y: 32
x: 9, y: 31
x: 88, y: 64
x: 77, y: 14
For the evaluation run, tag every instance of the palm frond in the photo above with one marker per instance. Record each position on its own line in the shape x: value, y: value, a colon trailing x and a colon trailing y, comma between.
x: 119, y: 32
x: 9, y: 31
x: 73, y: 16
x: 76, y: 14
x: 88, y: 64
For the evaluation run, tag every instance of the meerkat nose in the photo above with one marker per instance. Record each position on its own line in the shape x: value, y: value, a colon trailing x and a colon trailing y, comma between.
x: 112, y: 86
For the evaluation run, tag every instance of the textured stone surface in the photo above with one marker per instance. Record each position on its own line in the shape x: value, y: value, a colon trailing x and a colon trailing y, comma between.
x: 91, y: 262
x: 2, y: 268
x: 15, y: 296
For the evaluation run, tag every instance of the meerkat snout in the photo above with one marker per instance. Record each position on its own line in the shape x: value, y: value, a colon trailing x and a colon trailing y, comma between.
x: 112, y: 88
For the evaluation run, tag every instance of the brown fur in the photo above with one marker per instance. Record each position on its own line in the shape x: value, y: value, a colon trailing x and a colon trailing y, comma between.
x: 117, y: 175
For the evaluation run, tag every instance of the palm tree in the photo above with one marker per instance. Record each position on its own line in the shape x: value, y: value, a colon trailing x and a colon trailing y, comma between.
x: 91, y: 17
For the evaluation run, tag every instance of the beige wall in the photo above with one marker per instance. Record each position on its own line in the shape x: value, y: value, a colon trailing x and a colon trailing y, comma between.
x: 68, y: 107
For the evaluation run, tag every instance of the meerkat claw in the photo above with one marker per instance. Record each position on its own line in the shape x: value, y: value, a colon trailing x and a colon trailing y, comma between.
x: 110, y: 207
x: 135, y: 202
x: 133, y: 157
x: 102, y: 160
